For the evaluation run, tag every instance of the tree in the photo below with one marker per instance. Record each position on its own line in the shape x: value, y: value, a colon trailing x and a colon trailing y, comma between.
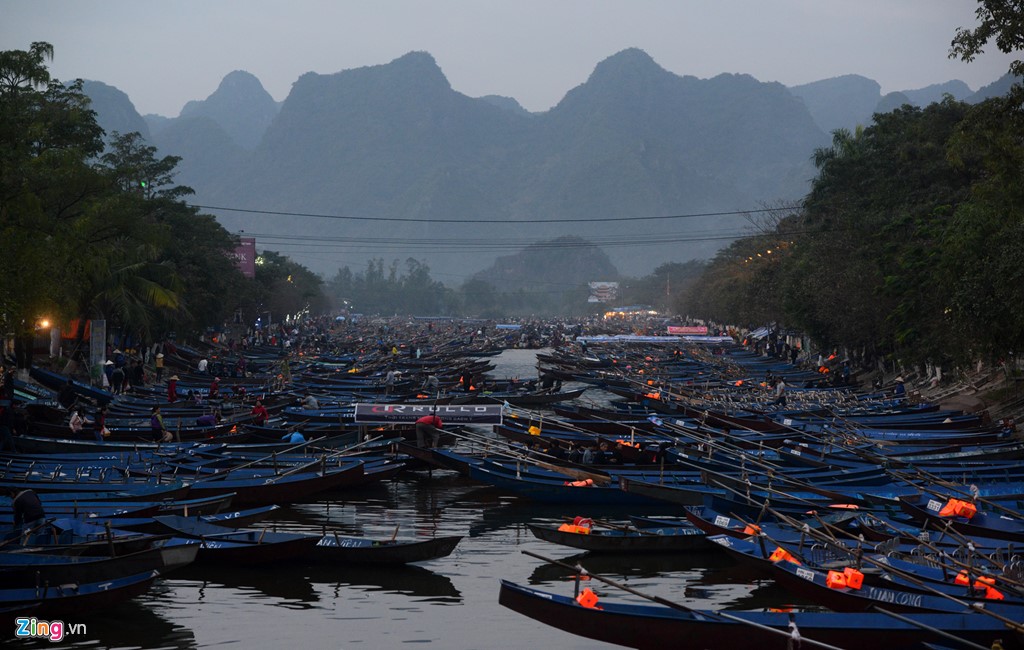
x: 1002, y: 20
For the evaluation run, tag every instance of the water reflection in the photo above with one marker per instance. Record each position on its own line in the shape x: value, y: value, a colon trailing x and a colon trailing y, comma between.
x: 282, y: 585
x: 130, y: 625
x: 412, y: 581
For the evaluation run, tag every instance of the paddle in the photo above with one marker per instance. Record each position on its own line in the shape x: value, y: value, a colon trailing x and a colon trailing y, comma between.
x: 678, y: 606
x: 571, y: 472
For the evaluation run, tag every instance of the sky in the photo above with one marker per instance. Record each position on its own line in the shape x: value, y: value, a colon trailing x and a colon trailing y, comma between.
x: 164, y: 54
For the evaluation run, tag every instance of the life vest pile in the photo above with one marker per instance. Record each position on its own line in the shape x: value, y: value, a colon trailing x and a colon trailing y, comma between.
x: 579, y: 525
x: 983, y: 582
x: 848, y: 578
x: 958, y: 508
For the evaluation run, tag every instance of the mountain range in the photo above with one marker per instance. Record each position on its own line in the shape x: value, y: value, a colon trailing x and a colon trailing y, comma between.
x: 399, y: 164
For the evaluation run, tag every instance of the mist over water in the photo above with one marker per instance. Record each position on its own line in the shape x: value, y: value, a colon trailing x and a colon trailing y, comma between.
x: 450, y: 603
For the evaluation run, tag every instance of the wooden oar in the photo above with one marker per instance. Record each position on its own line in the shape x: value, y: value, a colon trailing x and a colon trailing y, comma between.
x: 575, y: 473
x: 678, y: 606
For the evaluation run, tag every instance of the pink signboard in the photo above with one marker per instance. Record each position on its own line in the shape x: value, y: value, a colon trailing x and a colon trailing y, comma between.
x: 245, y: 256
x: 679, y: 330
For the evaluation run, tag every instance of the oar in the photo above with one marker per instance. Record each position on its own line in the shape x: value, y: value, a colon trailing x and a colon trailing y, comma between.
x: 571, y: 472
x: 26, y: 533
x: 678, y: 606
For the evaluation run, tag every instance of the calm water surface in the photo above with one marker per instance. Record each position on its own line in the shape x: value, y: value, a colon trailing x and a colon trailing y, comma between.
x: 447, y: 603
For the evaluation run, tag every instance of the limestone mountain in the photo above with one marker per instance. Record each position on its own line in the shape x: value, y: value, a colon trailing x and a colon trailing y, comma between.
x: 240, y: 105
x: 396, y: 141
x: 114, y: 109
x: 841, y: 102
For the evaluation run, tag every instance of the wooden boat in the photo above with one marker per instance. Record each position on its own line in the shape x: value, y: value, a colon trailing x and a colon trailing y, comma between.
x: 809, y: 580
x: 285, y: 488
x: 658, y: 626
x: 75, y: 599
x: 32, y: 569
x: 676, y: 539
x: 335, y: 549
x: 238, y: 546
x: 982, y: 524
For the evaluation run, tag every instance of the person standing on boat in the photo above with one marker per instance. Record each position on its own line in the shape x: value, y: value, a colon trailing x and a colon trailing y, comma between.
x: 28, y: 509
x: 259, y: 413
x: 214, y: 388
x: 100, y: 430
x: 117, y: 380
x: 780, y: 392
x: 389, y: 381
x: 137, y: 374
x: 159, y: 363
x: 172, y: 389
x: 201, y: 367
x: 156, y: 424
x: 429, y: 425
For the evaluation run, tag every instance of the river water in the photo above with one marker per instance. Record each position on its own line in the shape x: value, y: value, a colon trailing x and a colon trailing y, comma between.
x: 451, y: 603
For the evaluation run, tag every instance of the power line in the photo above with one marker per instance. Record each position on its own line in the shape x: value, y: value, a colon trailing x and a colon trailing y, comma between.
x: 505, y: 221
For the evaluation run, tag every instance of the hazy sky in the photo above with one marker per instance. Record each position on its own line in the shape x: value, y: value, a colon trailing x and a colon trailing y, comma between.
x: 163, y: 54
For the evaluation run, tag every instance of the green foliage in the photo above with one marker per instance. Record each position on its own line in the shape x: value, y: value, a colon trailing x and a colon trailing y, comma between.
x: 907, y: 245
x: 411, y: 292
x: 1002, y: 20
x: 90, y: 236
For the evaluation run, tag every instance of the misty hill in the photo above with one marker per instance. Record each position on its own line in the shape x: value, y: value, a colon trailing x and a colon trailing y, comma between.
x: 851, y: 100
x: 114, y: 110
x: 841, y: 102
x: 206, y: 149
x: 561, y: 264
x: 997, y: 88
x: 240, y: 105
x: 934, y: 93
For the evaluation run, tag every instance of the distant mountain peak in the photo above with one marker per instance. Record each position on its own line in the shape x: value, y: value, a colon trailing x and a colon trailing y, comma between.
x: 240, y: 80
x: 241, y: 105
x: 631, y: 61
x: 236, y: 86
x: 421, y: 66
